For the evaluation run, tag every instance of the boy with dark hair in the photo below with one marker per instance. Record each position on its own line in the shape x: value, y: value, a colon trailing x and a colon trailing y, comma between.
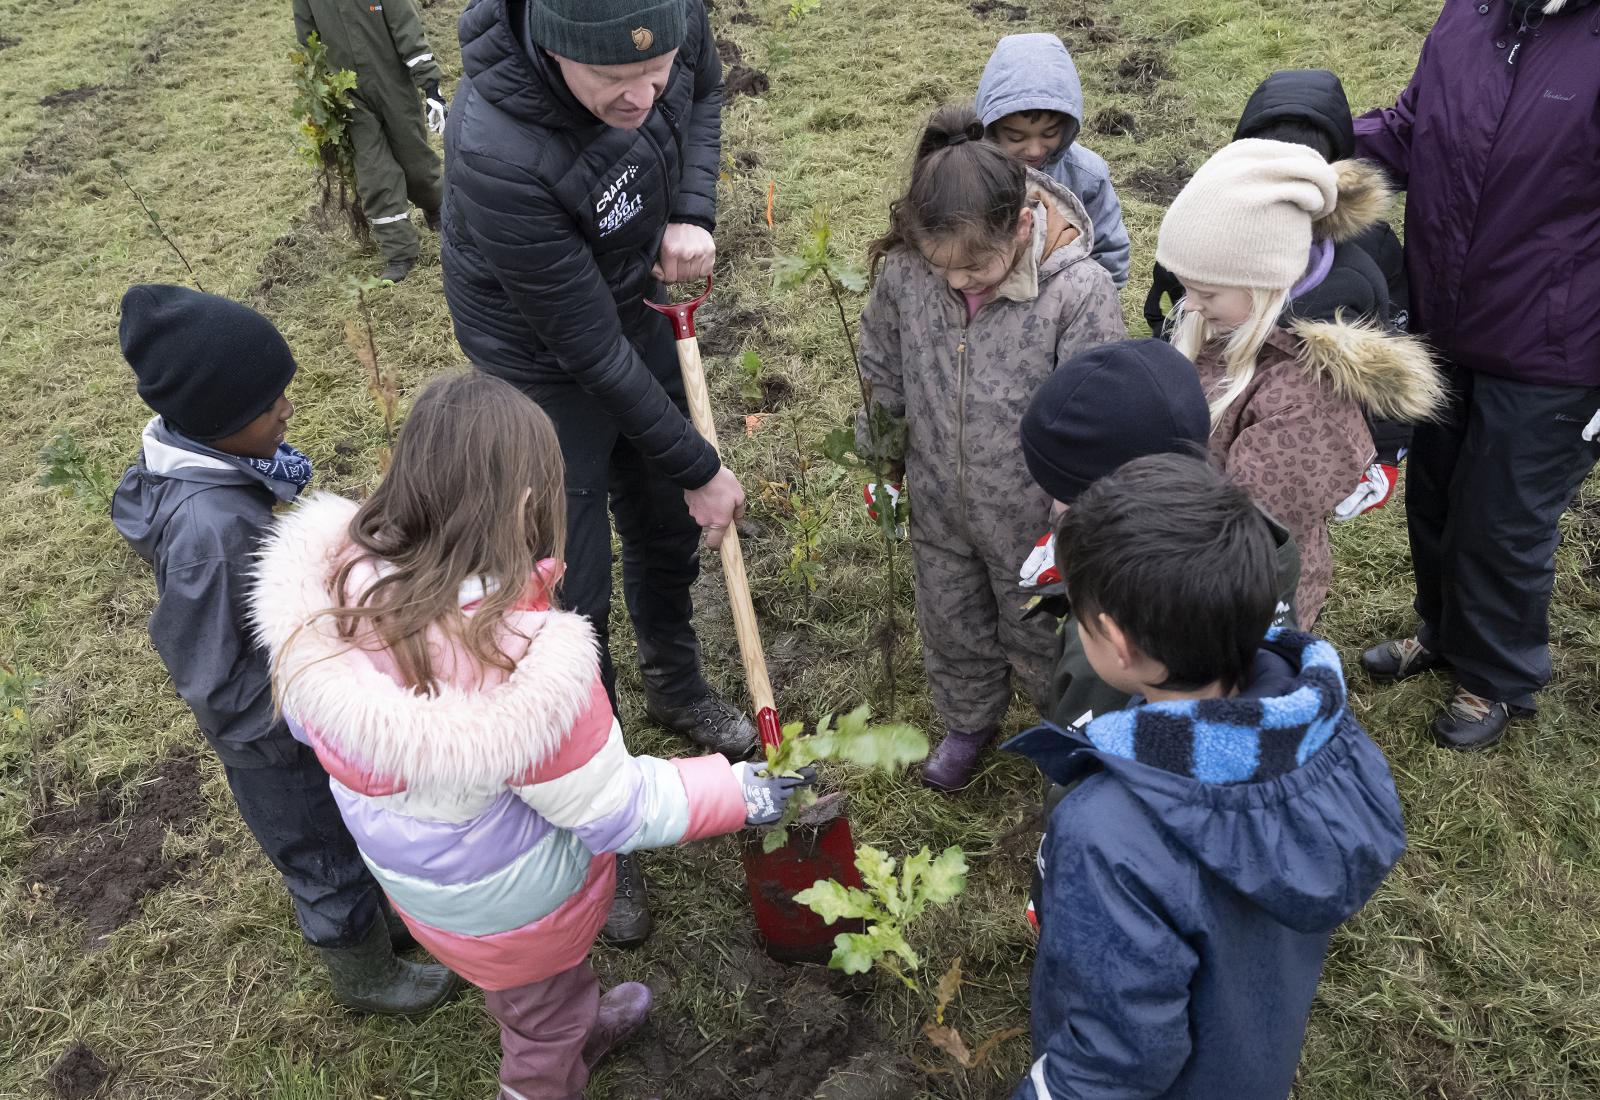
x: 1030, y: 102
x: 1216, y: 831
x: 195, y: 506
x: 1367, y: 275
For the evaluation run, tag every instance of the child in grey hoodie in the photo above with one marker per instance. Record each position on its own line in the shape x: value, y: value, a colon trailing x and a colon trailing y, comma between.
x: 1031, y: 105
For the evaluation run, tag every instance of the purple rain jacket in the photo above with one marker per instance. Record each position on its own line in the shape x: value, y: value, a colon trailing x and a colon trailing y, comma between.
x: 1496, y: 141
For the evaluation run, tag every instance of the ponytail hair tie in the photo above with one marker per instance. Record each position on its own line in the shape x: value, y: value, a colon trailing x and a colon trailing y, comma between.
x: 956, y: 139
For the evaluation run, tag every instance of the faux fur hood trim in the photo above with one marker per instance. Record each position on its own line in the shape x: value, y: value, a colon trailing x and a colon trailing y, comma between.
x: 1391, y: 375
x: 1364, y: 198
x: 453, y: 739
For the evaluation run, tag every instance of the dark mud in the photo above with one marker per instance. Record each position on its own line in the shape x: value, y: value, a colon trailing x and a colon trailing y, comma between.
x: 102, y: 856
x: 1016, y: 13
x: 69, y: 96
x: 742, y: 80
x: 78, y: 1074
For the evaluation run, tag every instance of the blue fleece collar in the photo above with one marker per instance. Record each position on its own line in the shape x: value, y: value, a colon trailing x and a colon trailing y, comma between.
x: 1237, y: 740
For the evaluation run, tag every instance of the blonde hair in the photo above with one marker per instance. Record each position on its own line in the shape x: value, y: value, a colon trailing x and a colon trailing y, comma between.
x: 1192, y: 332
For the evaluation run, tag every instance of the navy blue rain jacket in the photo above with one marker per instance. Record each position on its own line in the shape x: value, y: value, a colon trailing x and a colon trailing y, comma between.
x: 1183, y: 923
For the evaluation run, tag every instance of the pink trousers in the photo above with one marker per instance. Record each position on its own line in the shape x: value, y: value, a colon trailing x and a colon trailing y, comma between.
x: 543, y: 1026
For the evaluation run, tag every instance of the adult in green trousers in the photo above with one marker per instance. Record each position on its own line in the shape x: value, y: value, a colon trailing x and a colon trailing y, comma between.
x: 383, y: 43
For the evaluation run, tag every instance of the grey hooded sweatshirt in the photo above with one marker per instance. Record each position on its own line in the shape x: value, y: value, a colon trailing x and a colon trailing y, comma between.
x: 197, y: 516
x: 1034, y: 72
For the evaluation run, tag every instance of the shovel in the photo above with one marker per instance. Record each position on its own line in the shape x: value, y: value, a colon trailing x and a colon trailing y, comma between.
x: 791, y: 932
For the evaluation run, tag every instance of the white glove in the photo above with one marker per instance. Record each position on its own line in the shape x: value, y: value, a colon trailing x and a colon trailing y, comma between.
x: 1373, y: 492
x: 1592, y: 429
x: 436, y: 108
x: 1040, y: 571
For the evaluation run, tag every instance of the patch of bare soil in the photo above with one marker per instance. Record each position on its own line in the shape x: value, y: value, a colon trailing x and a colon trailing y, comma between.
x: 742, y: 80
x: 72, y: 95
x: 78, y: 1074
x: 1113, y: 120
x: 1016, y: 13
x: 813, y: 1039
x: 1144, y: 68
x: 7, y: 41
x: 1160, y: 183
x: 100, y: 861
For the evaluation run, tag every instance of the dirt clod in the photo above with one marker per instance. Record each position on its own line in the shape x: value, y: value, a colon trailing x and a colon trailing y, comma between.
x: 72, y: 95
x: 742, y: 80
x: 747, y: 159
x: 1016, y: 13
x: 7, y: 41
x: 100, y: 861
x: 774, y: 392
x: 1144, y: 68
x: 78, y: 1074
x: 1160, y: 183
x: 729, y: 51
x: 1112, y: 120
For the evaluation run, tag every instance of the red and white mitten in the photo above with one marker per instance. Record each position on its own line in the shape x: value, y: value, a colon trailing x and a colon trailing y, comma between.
x: 1040, y: 571
x: 891, y: 492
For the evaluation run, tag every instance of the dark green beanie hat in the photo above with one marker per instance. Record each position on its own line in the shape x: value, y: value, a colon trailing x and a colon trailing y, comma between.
x: 607, y: 32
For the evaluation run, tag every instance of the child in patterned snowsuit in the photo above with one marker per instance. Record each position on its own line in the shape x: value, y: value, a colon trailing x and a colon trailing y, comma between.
x: 987, y: 281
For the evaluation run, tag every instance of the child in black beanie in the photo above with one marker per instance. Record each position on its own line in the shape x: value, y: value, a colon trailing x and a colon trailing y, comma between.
x: 195, y: 506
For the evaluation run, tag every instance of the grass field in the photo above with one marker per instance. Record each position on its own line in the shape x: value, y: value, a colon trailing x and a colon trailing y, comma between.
x: 143, y: 938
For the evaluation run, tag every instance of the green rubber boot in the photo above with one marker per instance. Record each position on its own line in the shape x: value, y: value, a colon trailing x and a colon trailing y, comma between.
x: 370, y: 977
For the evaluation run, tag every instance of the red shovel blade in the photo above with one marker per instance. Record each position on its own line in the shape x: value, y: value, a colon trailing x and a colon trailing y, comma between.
x: 792, y: 932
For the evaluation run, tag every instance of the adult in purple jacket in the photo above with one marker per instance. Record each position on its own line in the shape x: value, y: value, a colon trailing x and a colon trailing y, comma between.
x: 1496, y: 141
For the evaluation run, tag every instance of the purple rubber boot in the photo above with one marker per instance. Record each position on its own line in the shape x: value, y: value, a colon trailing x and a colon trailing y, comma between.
x: 951, y: 766
x: 623, y: 1010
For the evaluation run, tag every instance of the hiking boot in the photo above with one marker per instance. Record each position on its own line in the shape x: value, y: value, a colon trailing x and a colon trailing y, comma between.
x: 1400, y: 659
x: 623, y: 1010
x: 397, y: 270
x: 950, y: 767
x: 1472, y: 722
x: 432, y: 220
x: 628, y: 924
x: 369, y: 977
x: 709, y: 722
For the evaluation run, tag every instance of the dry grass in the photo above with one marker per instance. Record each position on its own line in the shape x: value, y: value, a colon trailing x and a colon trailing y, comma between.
x: 1468, y: 976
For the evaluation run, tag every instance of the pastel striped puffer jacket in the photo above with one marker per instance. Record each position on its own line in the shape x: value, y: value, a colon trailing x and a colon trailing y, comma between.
x: 490, y: 812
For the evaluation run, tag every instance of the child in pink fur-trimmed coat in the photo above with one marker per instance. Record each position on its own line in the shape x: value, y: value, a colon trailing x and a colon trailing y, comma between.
x: 472, y: 749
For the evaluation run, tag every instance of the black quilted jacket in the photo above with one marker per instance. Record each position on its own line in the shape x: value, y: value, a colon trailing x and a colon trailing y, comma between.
x: 553, y: 221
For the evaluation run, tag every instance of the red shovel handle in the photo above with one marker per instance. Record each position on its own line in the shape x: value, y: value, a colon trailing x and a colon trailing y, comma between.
x: 681, y: 314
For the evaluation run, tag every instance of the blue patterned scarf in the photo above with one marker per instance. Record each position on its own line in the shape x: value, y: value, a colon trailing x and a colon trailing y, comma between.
x: 287, y: 465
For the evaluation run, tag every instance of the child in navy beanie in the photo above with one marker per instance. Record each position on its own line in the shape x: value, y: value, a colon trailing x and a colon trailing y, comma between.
x: 195, y: 506
x: 1098, y: 411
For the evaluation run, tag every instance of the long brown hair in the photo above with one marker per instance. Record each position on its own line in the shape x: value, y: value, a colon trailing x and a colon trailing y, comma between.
x: 964, y: 191
x: 476, y: 490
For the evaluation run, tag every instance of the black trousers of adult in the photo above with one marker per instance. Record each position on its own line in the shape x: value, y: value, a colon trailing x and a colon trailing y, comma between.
x: 660, y: 540
x: 1486, y: 485
x: 289, y: 809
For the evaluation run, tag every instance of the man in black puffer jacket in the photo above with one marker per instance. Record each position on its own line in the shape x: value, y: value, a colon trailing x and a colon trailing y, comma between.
x: 1308, y: 107
x: 581, y: 163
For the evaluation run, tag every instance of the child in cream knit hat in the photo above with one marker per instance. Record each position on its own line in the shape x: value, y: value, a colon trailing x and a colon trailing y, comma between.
x: 1251, y: 230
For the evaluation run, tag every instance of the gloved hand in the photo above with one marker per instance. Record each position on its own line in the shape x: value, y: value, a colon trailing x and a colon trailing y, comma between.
x: 1592, y: 429
x: 436, y: 108
x: 765, y: 797
x: 892, y: 492
x: 1040, y: 571
x: 1374, y: 490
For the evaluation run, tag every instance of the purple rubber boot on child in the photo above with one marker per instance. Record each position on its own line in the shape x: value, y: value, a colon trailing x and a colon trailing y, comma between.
x: 623, y: 1010
x: 950, y: 767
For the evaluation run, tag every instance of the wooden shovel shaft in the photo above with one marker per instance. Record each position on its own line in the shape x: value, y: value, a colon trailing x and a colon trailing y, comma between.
x: 733, y: 574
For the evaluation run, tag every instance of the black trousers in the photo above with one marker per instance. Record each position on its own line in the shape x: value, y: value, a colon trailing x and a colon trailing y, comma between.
x: 291, y: 812
x: 1485, y: 489
x: 660, y: 540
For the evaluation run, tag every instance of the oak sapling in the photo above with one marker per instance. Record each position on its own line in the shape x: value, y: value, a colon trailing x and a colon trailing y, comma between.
x: 322, y: 107
x: 816, y: 259
x: 380, y: 383
x: 852, y: 738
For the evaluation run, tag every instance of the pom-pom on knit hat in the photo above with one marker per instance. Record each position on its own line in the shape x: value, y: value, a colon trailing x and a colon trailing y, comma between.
x: 607, y: 32
x: 208, y: 365
x: 1245, y: 219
